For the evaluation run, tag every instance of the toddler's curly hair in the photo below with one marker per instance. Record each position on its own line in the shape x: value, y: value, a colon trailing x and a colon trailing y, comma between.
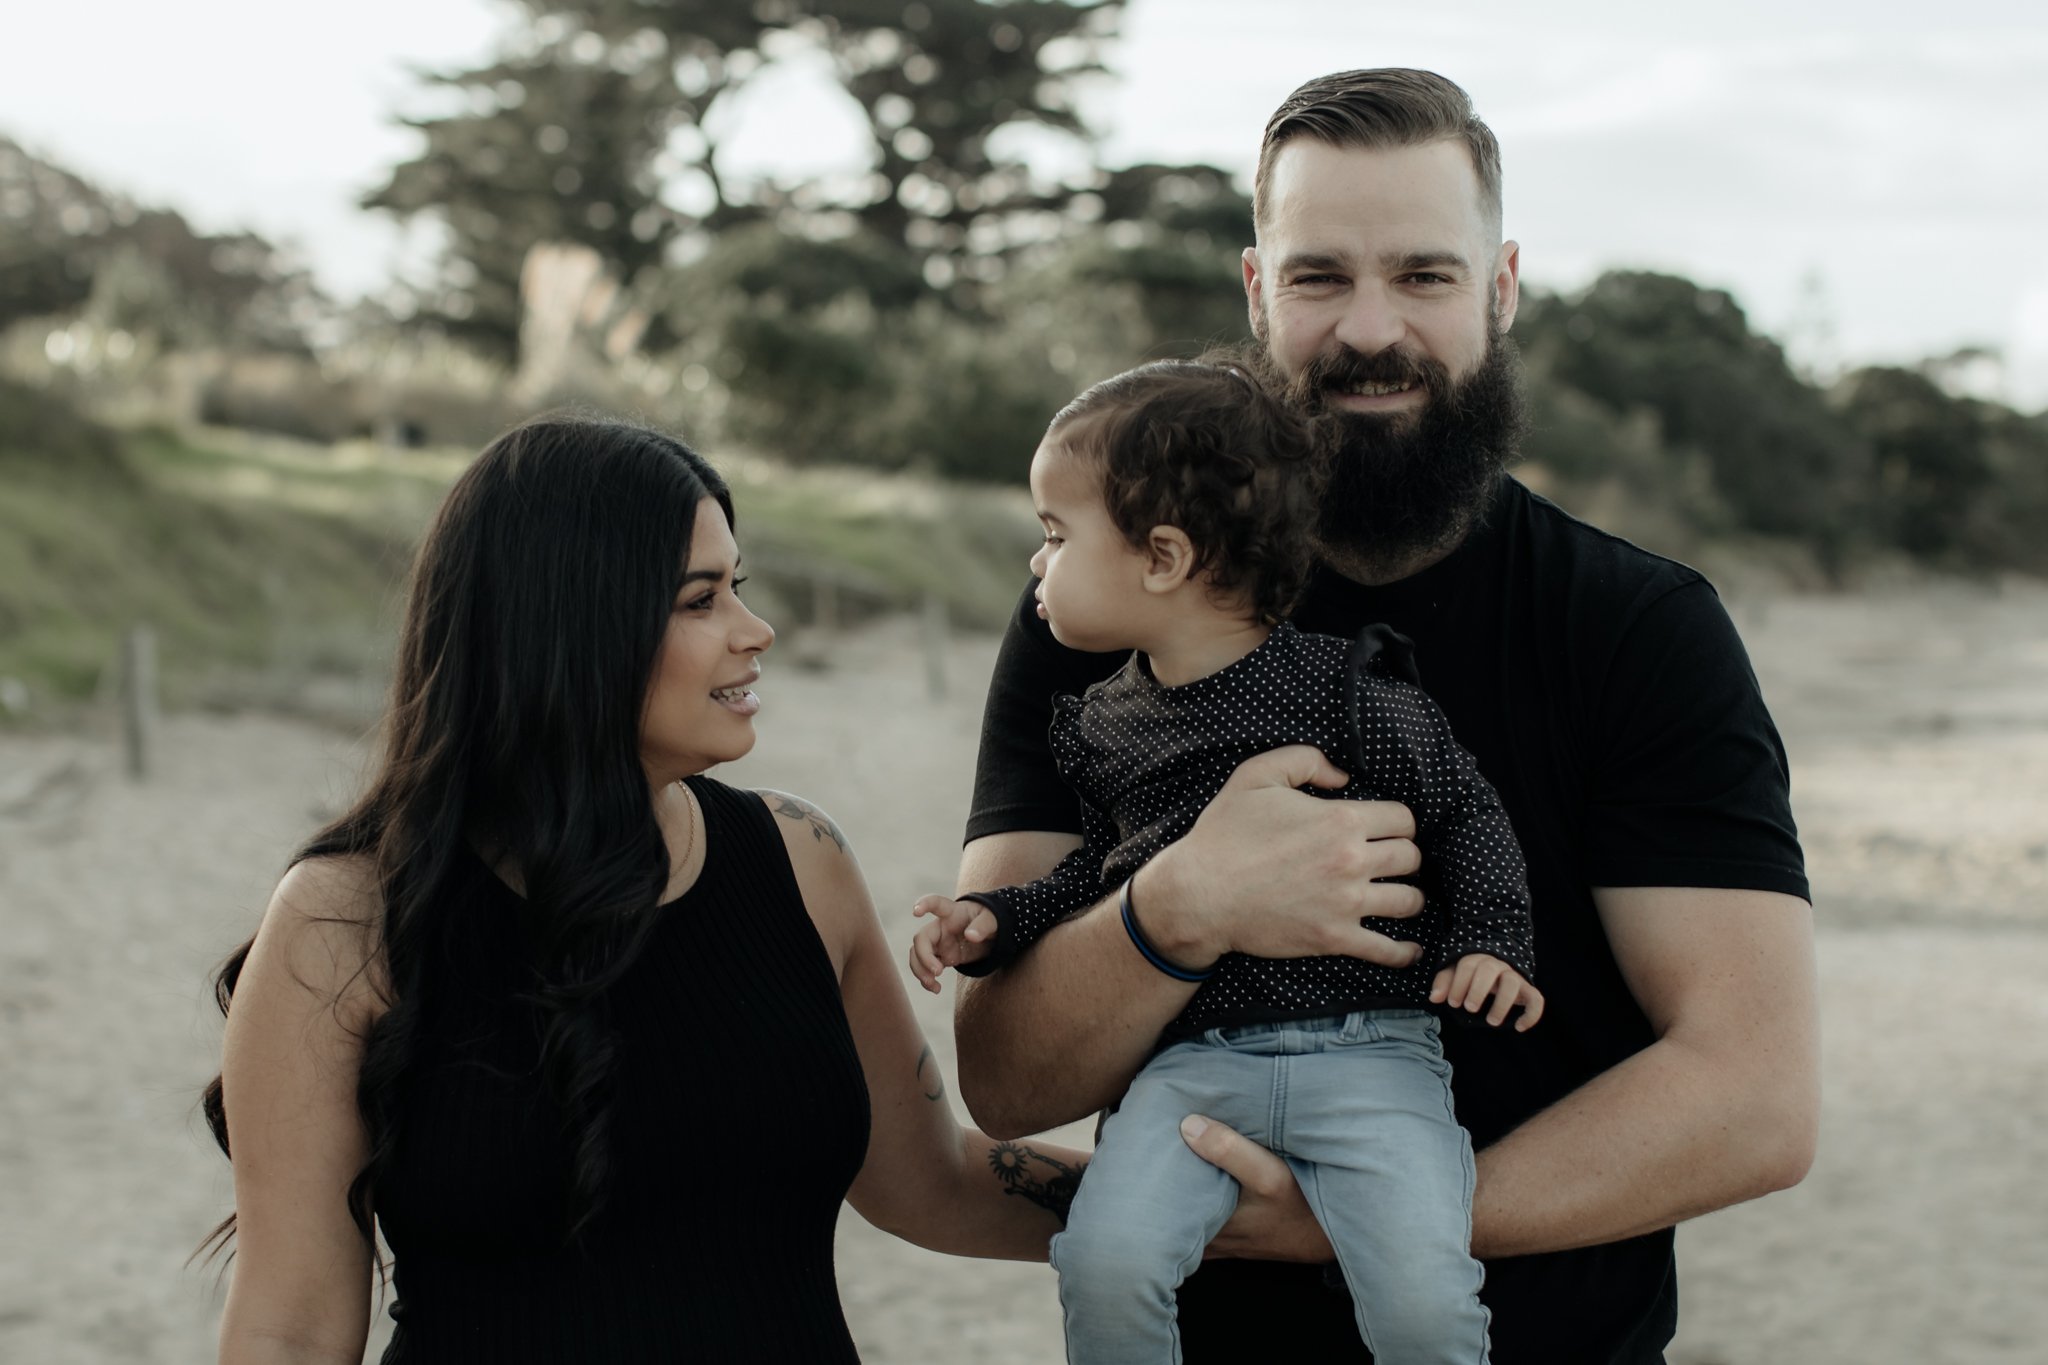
x: 1207, y: 448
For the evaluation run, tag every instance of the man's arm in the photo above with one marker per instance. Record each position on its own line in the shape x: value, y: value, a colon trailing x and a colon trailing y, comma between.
x: 1058, y: 1033
x: 1266, y: 870
x: 1724, y: 1106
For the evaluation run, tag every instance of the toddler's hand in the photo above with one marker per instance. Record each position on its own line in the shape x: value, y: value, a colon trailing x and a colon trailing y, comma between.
x: 960, y: 931
x: 1478, y: 975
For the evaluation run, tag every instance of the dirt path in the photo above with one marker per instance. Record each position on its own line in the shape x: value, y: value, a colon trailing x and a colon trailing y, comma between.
x: 1918, y: 724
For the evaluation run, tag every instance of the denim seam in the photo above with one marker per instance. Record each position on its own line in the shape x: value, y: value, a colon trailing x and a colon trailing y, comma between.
x: 1277, y: 1115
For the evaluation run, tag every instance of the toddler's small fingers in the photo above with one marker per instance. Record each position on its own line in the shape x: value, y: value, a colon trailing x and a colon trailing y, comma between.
x: 1500, y: 981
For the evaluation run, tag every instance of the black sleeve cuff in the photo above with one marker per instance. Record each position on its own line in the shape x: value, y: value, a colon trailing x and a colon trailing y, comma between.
x: 1004, y: 949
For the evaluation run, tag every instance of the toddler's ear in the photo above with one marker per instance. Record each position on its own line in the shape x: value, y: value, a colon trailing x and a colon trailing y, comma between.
x: 1170, y: 558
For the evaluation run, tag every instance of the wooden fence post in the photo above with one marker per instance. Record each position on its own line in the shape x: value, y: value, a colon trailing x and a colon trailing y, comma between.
x: 934, y: 634
x: 138, y: 698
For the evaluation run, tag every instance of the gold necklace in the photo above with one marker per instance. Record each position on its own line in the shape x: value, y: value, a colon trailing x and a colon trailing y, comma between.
x: 689, y: 826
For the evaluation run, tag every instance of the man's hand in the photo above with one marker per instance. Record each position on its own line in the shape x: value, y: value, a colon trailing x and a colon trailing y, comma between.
x: 1272, y: 1221
x: 1268, y: 872
x: 1474, y: 977
x: 959, y: 932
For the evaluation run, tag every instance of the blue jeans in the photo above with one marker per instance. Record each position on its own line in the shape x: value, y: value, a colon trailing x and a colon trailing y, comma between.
x: 1360, y: 1107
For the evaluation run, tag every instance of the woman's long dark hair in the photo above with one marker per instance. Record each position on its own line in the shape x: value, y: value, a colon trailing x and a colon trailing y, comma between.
x: 537, y: 607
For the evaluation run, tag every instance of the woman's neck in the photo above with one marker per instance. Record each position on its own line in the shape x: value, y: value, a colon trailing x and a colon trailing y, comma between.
x: 1201, y: 645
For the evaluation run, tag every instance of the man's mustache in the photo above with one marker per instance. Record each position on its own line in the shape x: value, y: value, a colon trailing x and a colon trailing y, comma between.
x: 1344, y: 368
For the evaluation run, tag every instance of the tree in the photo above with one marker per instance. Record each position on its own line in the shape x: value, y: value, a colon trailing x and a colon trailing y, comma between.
x: 2014, y: 506
x: 790, y: 339
x: 1780, y: 461
x: 562, y: 140
x: 586, y: 127
x: 1932, y: 474
x: 939, y: 80
x: 67, y: 246
x: 1170, y: 236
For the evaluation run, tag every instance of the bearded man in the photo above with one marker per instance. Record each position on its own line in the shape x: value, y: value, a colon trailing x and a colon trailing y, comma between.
x: 1604, y: 693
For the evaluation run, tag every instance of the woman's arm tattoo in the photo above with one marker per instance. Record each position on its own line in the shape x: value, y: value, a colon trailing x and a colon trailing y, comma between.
x: 1032, y: 1174
x: 794, y: 808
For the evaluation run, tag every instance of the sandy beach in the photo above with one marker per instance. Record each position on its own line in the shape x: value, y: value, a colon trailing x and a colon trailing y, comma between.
x: 1917, y: 720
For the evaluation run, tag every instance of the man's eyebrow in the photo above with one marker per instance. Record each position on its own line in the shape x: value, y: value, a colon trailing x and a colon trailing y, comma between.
x: 1314, y: 261
x: 1401, y: 261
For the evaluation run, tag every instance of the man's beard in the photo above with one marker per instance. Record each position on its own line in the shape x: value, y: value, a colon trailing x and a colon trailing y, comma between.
x: 1404, y: 488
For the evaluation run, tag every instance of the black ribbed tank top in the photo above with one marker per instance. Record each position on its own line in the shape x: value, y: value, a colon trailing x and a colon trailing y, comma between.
x: 740, y: 1120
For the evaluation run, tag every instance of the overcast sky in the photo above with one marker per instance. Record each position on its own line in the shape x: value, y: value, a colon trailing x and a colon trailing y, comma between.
x: 1870, y: 179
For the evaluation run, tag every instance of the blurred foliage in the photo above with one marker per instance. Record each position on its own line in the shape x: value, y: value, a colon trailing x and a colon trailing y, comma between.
x: 590, y: 128
x: 1654, y: 385
x: 929, y: 312
x: 838, y: 350
x: 939, y: 80
x: 42, y: 437
x: 1777, y: 460
x: 1959, y: 482
x: 68, y: 247
x: 550, y: 147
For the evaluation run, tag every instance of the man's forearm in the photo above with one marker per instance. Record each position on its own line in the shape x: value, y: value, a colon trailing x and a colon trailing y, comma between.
x: 1059, y: 1033
x: 1723, y: 1107
x: 1667, y: 1135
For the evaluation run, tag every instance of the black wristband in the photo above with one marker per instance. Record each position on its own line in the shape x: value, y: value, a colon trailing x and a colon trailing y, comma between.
x: 1144, y: 945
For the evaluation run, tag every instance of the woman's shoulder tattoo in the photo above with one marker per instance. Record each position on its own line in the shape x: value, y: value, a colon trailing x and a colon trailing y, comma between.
x: 797, y: 809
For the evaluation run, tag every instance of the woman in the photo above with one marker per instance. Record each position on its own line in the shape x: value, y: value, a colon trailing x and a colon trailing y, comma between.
x: 598, y: 1043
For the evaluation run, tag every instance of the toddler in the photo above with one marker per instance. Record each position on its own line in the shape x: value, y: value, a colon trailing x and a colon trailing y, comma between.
x: 1176, y: 500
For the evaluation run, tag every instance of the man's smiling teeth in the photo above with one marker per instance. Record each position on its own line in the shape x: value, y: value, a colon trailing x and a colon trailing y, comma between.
x: 1379, y: 390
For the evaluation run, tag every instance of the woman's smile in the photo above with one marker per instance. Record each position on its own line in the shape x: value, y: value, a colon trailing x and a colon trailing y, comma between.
x: 739, y: 697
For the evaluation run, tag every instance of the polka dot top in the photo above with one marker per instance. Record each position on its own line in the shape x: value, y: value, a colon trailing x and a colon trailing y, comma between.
x: 1146, y: 759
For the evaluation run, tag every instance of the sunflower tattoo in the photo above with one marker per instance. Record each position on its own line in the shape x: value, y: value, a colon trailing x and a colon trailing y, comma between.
x: 1013, y: 1164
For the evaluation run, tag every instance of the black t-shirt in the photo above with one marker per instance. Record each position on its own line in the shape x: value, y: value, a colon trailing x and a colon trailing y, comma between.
x: 1606, y: 696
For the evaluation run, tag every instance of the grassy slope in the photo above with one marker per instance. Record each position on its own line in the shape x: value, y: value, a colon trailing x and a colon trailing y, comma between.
x: 96, y: 534
x: 252, y: 553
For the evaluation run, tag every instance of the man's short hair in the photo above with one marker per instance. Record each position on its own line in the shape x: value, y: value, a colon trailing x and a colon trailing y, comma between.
x: 1390, y: 106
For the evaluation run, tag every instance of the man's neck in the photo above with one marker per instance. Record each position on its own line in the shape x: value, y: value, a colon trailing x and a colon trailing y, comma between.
x: 1201, y: 645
